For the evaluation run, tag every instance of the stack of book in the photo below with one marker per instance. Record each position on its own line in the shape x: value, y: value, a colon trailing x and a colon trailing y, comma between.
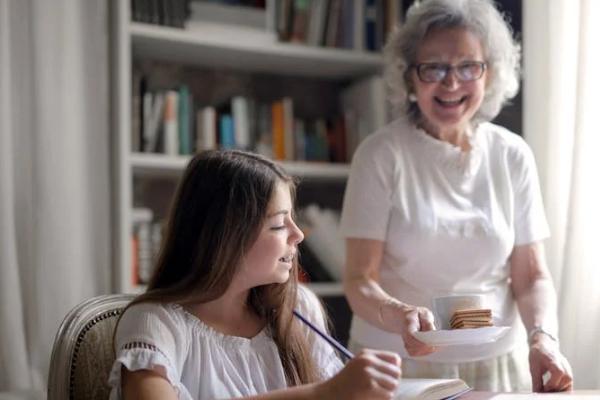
x: 160, y: 12
x: 169, y: 122
x: 351, y: 24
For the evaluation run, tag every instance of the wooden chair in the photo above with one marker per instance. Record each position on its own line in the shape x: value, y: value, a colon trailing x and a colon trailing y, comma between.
x: 83, y: 354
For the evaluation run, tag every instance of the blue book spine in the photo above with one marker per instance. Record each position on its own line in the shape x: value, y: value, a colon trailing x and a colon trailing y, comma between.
x: 185, y: 138
x: 226, y: 134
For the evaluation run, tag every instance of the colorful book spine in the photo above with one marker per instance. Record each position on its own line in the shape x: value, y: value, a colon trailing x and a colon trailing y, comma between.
x: 185, y: 135
x: 226, y: 134
x: 278, y: 130
x: 171, y: 135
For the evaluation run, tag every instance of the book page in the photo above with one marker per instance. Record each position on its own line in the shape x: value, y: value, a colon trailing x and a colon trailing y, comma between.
x: 429, y: 389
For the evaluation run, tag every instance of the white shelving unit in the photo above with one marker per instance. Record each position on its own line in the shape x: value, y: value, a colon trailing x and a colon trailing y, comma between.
x: 216, y: 45
x: 158, y: 164
x: 211, y: 45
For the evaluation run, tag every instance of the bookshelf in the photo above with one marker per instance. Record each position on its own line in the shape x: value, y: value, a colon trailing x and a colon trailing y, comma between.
x: 216, y: 46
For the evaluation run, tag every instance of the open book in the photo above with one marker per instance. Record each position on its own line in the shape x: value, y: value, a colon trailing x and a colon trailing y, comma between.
x: 430, y: 389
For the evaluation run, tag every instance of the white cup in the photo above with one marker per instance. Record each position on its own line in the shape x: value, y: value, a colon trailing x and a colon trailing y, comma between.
x: 445, y: 306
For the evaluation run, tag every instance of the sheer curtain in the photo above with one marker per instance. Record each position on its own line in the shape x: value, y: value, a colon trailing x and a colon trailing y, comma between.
x: 54, y: 175
x: 561, y: 85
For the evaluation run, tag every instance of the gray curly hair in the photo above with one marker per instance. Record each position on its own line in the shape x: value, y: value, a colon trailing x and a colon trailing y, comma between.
x: 502, y: 53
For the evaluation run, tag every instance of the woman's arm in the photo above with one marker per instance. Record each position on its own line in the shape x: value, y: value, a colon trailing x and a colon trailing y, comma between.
x: 370, y: 302
x: 370, y: 375
x: 536, y: 298
x: 533, y: 288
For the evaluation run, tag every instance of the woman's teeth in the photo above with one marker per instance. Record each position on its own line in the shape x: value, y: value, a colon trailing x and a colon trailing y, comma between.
x: 450, y: 102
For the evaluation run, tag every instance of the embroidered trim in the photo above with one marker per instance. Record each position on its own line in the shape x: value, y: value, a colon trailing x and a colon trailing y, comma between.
x: 142, y: 345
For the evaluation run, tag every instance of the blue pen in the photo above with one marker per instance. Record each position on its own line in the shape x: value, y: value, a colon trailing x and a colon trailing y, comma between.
x: 337, y: 345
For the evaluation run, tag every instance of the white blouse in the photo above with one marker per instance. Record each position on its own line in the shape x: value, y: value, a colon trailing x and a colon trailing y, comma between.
x: 201, y: 363
x: 449, y: 220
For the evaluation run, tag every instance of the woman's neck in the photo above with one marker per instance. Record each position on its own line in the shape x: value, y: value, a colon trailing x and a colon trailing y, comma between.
x: 457, y: 136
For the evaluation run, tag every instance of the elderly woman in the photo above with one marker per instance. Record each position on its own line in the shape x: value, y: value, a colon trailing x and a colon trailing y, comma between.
x: 441, y: 201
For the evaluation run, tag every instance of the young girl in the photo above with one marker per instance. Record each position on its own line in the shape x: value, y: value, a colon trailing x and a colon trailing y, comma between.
x: 216, y: 321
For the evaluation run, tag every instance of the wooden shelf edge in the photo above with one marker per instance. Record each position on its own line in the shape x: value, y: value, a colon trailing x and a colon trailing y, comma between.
x: 229, y: 46
x: 159, y: 165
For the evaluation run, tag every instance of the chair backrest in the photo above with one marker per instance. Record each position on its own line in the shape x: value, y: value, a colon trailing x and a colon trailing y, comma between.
x: 82, y: 355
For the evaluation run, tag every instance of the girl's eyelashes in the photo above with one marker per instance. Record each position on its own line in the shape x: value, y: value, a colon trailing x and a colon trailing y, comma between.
x: 278, y: 228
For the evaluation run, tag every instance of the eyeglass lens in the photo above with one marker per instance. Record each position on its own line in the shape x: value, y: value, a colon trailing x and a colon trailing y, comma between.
x: 436, y: 72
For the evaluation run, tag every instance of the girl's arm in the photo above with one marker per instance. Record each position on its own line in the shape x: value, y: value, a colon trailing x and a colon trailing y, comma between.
x: 370, y: 375
x: 145, y: 384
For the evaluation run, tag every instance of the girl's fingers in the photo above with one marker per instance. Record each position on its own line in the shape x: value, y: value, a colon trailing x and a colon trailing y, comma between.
x: 383, y: 380
x: 389, y: 356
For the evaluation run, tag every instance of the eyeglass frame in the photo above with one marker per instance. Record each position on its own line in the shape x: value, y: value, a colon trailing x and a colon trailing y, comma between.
x: 447, y: 69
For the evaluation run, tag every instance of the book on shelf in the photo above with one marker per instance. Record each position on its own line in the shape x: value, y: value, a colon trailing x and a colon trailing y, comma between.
x: 333, y: 23
x: 288, y: 128
x: 317, y: 20
x: 283, y: 15
x: 299, y: 140
x: 206, y: 128
x: 430, y: 389
x: 240, y: 110
x: 160, y: 12
x: 141, y: 245
x: 138, y: 87
x: 171, y: 129
x: 278, y: 130
x: 184, y: 120
x: 300, y: 20
x: 358, y: 31
x: 264, y: 137
x: 154, y: 120
x: 316, y: 147
x: 226, y: 131
x: 223, y: 12
x: 336, y: 138
x: 371, y: 25
x: 346, y: 31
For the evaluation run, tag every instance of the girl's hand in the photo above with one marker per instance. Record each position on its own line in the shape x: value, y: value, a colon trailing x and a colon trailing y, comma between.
x: 370, y: 375
x: 406, y: 319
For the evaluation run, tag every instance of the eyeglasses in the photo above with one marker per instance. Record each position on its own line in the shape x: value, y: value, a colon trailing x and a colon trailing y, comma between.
x: 436, y: 72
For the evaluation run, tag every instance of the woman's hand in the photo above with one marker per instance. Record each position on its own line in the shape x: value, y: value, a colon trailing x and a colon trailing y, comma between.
x: 371, y: 375
x: 406, y: 320
x: 368, y: 300
x: 545, y: 357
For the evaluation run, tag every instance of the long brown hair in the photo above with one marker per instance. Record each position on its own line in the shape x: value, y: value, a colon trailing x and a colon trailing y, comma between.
x: 216, y: 216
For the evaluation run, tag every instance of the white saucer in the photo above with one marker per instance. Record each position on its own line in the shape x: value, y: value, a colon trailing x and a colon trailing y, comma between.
x: 455, y: 337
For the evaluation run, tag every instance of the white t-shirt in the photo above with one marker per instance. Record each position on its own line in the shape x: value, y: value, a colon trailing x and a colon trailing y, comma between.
x: 201, y: 363
x: 449, y: 220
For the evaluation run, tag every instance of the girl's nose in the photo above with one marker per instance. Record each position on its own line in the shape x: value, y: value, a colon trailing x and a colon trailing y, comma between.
x: 296, y: 234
